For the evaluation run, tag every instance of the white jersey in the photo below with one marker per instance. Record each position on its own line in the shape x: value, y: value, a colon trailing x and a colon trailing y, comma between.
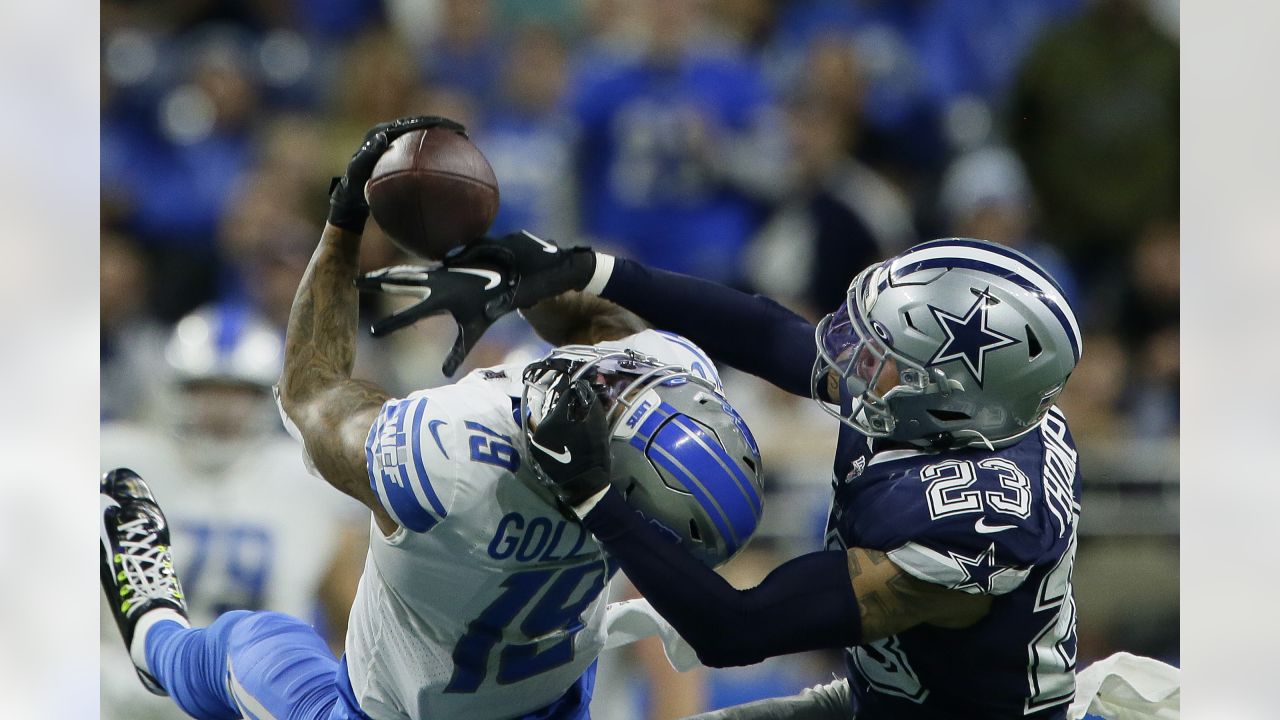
x: 486, y: 602
x: 259, y: 534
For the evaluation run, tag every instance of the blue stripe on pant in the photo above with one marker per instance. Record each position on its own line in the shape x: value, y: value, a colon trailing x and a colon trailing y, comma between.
x: 271, y: 666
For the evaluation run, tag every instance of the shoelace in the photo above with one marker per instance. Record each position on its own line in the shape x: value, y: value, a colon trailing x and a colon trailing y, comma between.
x: 145, y: 568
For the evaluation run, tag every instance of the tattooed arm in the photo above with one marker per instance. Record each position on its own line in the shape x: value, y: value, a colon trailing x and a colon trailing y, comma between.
x: 332, y: 411
x: 575, y: 317
x: 890, y: 601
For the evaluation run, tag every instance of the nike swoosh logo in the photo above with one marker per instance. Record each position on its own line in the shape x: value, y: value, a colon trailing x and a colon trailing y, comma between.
x: 982, y: 527
x: 434, y: 427
x: 563, y: 456
x: 492, y: 277
x: 105, y: 502
x: 546, y: 246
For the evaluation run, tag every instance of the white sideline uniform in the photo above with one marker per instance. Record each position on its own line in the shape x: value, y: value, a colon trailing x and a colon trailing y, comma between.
x: 258, y: 535
x: 493, y: 604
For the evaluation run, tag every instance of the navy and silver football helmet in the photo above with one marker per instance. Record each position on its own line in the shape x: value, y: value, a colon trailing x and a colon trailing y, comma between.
x: 981, y: 339
x: 682, y: 456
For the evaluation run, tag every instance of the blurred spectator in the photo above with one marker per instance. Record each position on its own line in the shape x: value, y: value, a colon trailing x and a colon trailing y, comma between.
x: 130, y: 338
x: 172, y: 172
x: 333, y: 20
x: 840, y: 215
x: 1095, y: 118
x: 1150, y: 319
x: 295, y: 173
x: 926, y: 60
x: 377, y: 80
x: 749, y: 22
x: 267, y: 245
x: 529, y: 139
x: 466, y: 54
x: 673, y: 143
x: 1092, y: 399
x: 615, y: 31
x: 985, y: 194
x: 1154, y: 282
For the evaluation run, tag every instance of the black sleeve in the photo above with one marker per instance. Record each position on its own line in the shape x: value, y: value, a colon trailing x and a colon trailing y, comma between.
x: 749, y: 332
x: 807, y: 603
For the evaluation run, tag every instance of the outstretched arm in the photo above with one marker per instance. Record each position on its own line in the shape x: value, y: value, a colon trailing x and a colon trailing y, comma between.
x: 331, y: 411
x: 829, y: 599
x: 578, y: 318
x: 749, y: 332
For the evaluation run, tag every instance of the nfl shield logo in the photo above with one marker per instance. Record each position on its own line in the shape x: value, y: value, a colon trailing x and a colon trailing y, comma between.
x: 856, y: 469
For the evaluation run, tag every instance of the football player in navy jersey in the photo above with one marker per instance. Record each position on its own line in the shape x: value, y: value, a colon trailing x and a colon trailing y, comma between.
x: 952, y: 531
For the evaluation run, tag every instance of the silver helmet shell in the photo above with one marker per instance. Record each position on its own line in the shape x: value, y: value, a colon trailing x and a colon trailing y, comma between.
x: 225, y: 343
x: 982, y: 340
x: 682, y: 456
x: 224, y: 359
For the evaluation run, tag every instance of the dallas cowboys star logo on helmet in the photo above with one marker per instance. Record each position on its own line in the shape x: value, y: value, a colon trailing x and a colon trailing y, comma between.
x: 969, y: 338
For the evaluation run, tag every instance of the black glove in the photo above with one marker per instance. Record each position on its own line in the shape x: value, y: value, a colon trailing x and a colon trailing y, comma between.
x: 571, y: 444
x: 347, y: 207
x: 537, y: 269
x: 475, y: 297
x: 479, y: 283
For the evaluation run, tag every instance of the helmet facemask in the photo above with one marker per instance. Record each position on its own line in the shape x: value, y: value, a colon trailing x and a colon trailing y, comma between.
x: 619, y: 378
x: 682, y: 457
x: 853, y: 351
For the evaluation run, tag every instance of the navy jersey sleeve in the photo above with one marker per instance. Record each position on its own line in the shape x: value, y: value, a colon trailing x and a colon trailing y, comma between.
x: 749, y: 332
x: 971, y: 521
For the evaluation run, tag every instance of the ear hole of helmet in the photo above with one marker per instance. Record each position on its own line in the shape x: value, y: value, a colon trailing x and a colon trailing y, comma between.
x: 947, y: 415
x: 1033, y: 344
x: 694, y: 533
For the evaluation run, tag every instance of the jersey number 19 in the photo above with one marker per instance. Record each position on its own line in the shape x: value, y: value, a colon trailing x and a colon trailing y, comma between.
x: 554, y: 611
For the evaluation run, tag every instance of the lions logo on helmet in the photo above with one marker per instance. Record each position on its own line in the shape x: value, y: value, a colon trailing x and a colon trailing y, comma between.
x: 954, y: 342
x: 682, y: 456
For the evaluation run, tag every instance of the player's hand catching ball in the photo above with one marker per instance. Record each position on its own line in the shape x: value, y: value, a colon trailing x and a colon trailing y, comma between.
x: 537, y: 269
x: 479, y: 283
x: 571, y: 445
x: 348, y: 208
x: 475, y: 300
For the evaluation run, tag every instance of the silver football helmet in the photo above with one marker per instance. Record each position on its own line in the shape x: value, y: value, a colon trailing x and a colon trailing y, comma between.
x: 224, y: 360
x: 682, y: 456
x: 952, y: 343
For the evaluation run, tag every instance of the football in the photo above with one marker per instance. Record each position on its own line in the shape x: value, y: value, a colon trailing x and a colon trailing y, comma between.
x: 431, y: 191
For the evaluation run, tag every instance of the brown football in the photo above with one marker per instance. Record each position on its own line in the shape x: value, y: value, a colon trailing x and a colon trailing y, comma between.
x: 431, y: 191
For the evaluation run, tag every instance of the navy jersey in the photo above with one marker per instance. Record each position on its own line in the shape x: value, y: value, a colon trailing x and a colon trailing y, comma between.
x: 1000, y: 522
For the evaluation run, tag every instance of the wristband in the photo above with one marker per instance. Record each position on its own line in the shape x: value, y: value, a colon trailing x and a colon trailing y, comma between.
x: 584, y: 507
x: 600, y: 278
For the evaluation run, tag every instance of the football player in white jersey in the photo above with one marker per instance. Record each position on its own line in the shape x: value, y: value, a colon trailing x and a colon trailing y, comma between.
x: 252, y: 529
x: 481, y: 598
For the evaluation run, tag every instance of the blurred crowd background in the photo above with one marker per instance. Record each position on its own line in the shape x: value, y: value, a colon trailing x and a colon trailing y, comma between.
x: 776, y: 146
